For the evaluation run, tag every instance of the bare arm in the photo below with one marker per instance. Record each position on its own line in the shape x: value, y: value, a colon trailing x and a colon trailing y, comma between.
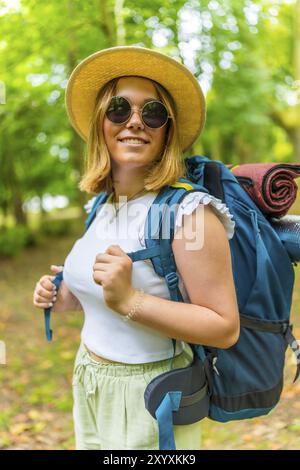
x: 212, y: 318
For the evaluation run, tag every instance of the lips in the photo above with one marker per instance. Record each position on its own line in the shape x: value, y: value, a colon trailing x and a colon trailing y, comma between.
x: 133, y: 140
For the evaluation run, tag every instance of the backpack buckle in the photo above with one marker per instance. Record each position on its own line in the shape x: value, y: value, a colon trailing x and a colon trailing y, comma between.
x: 286, y: 328
x: 172, y: 280
x: 214, y: 361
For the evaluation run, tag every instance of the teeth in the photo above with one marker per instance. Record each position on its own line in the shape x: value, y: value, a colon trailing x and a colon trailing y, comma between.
x: 133, y: 141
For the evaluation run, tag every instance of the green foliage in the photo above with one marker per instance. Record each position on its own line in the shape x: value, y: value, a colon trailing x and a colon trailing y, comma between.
x: 244, y: 53
x: 58, y: 227
x: 13, y: 239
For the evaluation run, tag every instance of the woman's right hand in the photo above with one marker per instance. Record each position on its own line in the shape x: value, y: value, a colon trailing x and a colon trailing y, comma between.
x: 45, y: 293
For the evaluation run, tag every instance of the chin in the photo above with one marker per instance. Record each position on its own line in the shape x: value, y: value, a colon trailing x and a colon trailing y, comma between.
x: 130, y: 159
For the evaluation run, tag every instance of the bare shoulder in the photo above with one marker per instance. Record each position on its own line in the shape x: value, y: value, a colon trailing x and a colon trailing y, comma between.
x: 202, y: 236
x: 203, y: 258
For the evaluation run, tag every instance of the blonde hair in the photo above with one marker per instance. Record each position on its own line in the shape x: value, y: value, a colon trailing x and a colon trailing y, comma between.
x: 164, y: 170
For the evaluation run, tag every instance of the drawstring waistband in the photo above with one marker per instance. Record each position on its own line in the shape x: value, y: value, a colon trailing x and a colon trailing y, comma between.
x: 88, y: 371
x: 85, y: 373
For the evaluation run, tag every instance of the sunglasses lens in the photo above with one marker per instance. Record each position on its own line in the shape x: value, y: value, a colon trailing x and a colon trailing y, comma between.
x: 155, y: 114
x: 118, y: 110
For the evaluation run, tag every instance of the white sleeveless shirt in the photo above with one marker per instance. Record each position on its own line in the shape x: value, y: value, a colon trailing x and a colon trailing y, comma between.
x: 104, y: 331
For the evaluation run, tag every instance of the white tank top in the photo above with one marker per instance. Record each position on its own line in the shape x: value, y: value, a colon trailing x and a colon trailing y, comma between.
x: 104, y: 331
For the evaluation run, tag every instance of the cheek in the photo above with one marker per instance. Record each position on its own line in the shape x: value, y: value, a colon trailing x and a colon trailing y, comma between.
x: 108, y: 133
x: 106, y: 130
x: 160, y: 138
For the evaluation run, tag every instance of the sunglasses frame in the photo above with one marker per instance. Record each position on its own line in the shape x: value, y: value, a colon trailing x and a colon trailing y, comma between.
x: 140, y: 110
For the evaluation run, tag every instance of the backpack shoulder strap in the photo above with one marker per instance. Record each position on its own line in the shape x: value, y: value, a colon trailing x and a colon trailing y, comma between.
x: 160, y: 227
x: 213, y: 180
x: 100, y: 199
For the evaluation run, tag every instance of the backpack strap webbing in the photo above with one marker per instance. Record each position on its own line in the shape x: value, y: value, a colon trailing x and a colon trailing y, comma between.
x: 212, y: 180
x: 285, y: 328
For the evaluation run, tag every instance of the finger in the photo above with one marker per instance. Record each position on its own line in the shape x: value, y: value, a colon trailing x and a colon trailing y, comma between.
x: 43, y: 292
x: 105, y: 258
x: 56, y: 268
x: 43, y: 304
x: 46, y: 283
x: 101, y: 267
x: 98, y: 278
x: 115, y: 250
x: 44, y: 296
x: 41, y: 299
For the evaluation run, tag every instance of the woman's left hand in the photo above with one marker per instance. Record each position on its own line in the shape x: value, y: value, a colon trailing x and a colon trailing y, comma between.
x: 113, y: 271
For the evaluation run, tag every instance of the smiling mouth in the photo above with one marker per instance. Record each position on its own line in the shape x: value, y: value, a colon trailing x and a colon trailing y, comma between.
x: 133, y: 142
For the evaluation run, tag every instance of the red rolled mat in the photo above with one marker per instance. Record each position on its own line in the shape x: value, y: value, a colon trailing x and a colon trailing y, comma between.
x: 270, y: 185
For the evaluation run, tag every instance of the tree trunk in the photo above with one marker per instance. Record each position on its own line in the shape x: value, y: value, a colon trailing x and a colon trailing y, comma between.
x: 289, y: 119
x: 108, y: 21
x: 19, y: 214
x: 76, y: 144
x: 243, y: 150
x: 13, y: 189
x: 216, y: 147
x: 120, y: 28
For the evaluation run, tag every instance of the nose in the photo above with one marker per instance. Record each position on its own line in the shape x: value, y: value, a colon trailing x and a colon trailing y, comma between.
x: 135, y: 120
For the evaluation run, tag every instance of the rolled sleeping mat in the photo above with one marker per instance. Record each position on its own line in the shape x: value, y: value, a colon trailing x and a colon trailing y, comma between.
x: 271, y: 186
x: 288, y: 230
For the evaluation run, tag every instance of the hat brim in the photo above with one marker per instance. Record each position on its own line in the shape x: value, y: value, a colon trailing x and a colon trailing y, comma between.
x: 99, y: 68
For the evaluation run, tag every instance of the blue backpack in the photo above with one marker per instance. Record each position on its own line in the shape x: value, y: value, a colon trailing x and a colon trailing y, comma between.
x: 245, y: 380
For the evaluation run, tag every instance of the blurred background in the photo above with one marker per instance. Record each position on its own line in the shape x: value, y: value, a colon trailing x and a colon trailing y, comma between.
x: 246, y: 55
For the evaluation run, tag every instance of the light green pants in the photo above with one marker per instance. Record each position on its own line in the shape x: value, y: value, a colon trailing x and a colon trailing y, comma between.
x: 109, y: 411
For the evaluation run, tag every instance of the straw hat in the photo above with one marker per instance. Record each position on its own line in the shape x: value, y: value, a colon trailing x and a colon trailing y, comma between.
x: 99, y: 68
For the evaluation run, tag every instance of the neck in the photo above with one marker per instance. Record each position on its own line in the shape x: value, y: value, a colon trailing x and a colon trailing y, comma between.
x: 128, y: 183
x: 117, y: 199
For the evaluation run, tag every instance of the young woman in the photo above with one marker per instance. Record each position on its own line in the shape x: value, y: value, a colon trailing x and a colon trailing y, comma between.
x: 139, y: 110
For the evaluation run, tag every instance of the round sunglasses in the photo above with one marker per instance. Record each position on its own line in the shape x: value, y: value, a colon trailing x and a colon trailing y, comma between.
x: 154, y: 113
